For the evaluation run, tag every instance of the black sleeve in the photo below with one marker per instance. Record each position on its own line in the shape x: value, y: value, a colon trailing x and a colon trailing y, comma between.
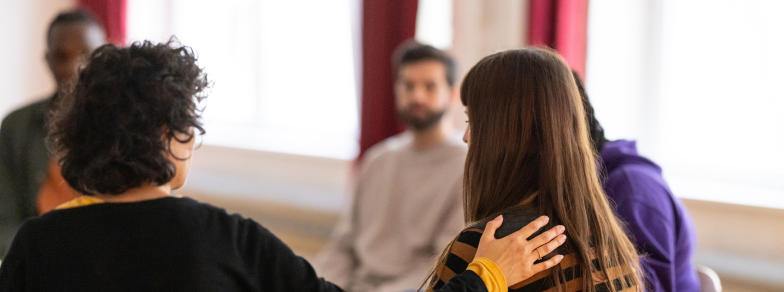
x: 465, y: 282
x: 279, y: 269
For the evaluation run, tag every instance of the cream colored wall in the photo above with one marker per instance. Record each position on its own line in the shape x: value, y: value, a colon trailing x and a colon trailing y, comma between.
x: 24, y: 76
x: 742, y: 243
x: 295, y: 180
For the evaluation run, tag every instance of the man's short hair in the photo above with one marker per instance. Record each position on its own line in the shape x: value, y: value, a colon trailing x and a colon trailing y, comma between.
x: 411, y: 52
x: 71, y: 17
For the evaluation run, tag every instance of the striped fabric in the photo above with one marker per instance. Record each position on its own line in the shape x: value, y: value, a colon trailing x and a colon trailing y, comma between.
x: 464, y: 248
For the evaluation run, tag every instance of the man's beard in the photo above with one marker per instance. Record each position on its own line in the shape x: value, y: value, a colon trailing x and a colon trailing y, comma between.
x: 431, y: 119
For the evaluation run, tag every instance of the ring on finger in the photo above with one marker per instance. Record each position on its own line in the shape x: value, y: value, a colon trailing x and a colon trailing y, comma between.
x: 539, y: 253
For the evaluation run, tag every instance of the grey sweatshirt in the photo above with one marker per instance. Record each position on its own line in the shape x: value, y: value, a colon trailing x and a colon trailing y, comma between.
x: 407, y: 207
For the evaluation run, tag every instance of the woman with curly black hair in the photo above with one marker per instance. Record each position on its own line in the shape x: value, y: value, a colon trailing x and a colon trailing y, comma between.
x: 124, y: 138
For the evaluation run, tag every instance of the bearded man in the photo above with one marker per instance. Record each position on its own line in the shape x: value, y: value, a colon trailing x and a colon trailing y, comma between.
x: 408, y: 201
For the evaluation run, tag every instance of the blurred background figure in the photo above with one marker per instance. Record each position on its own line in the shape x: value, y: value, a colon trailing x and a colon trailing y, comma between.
x: 30, y: 182
x: 409, y: 185
x: 656, y: 221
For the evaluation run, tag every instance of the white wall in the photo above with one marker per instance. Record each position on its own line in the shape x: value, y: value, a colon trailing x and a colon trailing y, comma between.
x: 310, y: 182
x: 24, y: 76
x: 742, y: 243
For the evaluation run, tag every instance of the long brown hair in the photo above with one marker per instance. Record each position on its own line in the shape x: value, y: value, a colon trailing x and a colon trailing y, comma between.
x: 530, y: 148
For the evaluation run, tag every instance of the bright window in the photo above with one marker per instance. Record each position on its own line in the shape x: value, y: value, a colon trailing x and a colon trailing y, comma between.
x: 698, y: 84
x: 284, y: 71
x: 434, y: 23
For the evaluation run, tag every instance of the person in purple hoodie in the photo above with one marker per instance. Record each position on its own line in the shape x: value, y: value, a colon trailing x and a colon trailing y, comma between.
x: 656, y: 221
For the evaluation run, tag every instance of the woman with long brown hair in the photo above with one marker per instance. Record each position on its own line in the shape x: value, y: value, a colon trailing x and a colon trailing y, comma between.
x: 529, y: 154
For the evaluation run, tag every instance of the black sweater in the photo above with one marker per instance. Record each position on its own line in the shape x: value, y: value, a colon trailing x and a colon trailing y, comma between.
x: 167, y: 244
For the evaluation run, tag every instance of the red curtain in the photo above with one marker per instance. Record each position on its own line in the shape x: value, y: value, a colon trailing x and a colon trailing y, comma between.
x: 112, y: 14
x: 561, y: 25
x: 385, y: 24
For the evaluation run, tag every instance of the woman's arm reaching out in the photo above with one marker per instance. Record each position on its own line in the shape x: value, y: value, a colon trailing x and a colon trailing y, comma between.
x: 509, y: 259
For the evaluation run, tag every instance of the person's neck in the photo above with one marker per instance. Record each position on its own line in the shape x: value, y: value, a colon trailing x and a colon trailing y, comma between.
x: 432, y: 137
x: 142, y: 193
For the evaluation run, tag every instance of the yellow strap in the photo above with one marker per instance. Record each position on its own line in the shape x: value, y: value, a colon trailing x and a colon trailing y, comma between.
x: 490, y: 274
x: 80, y: 201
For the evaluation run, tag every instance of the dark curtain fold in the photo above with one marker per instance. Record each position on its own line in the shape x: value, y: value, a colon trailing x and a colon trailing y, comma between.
x: 385, y: 24
x: 112, y: 14
x: 563, y: 26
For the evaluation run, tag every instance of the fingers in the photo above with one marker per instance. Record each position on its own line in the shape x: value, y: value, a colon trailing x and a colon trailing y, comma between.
x: 546, y: 264
x: 532, y: 227
x: 551, y: 246
x: 547, y: 236
x: 489, y: 233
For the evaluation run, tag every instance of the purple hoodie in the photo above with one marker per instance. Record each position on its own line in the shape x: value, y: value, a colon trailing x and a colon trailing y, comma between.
x: 658, y: 224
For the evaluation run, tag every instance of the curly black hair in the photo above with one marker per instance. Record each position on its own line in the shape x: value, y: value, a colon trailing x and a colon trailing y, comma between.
x: 112, y: 131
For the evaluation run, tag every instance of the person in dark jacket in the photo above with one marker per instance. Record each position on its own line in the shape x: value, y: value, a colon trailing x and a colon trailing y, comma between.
x: 658, y: 223
x: 30, y: 182
x: 124, y: 139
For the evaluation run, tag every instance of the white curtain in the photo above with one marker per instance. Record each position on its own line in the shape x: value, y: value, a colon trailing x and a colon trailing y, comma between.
x: 697, y: 84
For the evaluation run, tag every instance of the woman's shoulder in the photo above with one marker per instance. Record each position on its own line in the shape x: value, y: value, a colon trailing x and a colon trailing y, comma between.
x: 513, y: 221
x: 219, y: 218
x: 463, y: 249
